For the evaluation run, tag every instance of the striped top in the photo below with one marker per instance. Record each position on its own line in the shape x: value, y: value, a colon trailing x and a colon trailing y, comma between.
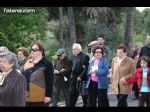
x: 144, y: 86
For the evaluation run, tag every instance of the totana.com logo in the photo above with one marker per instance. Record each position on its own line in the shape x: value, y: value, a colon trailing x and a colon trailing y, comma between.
x: 11, y: 10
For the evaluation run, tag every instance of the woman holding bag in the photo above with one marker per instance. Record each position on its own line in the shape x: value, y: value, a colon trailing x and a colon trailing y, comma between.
x: 98, y: 79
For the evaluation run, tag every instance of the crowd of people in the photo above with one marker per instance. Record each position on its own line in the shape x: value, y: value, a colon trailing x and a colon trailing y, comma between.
x: 30, y: 79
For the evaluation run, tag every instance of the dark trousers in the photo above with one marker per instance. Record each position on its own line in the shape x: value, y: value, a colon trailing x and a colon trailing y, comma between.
x: 144, y: 97
x: 136, y: 90
x: 37, y: 104
x: 74, y: 93
x: 56, y: 95
x: 95, y: 93
x: 84, y: 98
x: 122, y: 100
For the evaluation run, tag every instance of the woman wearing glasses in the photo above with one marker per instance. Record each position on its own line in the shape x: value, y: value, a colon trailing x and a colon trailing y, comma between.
x: 39, y: 77
x: 98, y: 81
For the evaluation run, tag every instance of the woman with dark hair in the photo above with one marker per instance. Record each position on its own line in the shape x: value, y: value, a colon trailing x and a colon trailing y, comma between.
x: 39, y: 77
x: 142, y: 77
x: 98, y: 79
x: 22, y: 55
x: 122, y: 68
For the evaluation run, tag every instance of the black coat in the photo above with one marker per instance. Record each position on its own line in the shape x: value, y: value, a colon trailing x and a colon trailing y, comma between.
x: 78, y: 70
x: 145, y: 51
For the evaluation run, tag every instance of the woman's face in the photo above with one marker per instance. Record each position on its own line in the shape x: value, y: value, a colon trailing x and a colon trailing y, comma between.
x: 98, y: 53
x: 35, y: 51
x: 5, y: 65
x: 120, y: 53
x: 20, y: 55
x: 143, y: 64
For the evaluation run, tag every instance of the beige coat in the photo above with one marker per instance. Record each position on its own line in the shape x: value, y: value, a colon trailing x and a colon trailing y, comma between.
x: 126, y: 69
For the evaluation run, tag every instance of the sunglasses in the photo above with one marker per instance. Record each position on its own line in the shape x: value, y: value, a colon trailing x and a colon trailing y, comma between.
x: 59, y: 55
x: 34, y: 50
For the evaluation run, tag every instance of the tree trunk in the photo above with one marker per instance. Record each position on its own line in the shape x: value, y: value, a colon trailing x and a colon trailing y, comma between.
x: 61, y: 28
x: 129, y: 29
x: 72, y: 28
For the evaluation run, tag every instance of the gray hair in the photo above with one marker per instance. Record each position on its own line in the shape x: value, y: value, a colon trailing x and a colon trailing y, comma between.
x: 11, y: 57
x: 76, y: 45
x: 4, y: 49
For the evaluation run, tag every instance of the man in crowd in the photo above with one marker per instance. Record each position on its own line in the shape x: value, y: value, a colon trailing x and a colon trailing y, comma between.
x: 101, y: 43
x: 62, y: 72
x: 80, y: 59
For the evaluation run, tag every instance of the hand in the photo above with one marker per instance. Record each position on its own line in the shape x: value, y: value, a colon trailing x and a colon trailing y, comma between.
x: 123, y: 80
x: 56, y: 72
x: 62, y: 70
x: 47, y: 100
x: 78, y: 79
x: 84, y: 66
x: 111, y: 80
x: 91, y: 72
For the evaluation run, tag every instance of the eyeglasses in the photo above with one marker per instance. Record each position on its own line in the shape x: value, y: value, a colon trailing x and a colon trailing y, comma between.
x: 34, y: 50
x: 98, y: 52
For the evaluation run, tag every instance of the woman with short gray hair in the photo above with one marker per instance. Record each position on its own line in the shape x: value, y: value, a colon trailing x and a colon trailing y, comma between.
x: 12, y: 83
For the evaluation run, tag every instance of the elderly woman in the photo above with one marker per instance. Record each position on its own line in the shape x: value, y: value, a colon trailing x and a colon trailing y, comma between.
x: 39, y: 77
x: 98, y: 79
x: 122, y: 68
x: 22, y: 55
x: 12, y: 83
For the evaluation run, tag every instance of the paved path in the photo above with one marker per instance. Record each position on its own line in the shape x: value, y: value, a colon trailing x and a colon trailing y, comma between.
x: 112, y: 100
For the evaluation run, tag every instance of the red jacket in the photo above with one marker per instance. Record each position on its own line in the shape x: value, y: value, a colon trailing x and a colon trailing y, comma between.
x: 137, y: 77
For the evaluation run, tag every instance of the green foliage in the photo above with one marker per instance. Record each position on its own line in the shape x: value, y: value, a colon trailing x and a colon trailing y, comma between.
x: 138, y: 38
x: 3, y: 39
x: 141, y: 26
x: 19, y: 27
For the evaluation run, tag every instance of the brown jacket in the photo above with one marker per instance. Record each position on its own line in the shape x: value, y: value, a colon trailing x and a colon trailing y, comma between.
x: 126, y: 69
x: 12, y: 92
x: 66, y: 64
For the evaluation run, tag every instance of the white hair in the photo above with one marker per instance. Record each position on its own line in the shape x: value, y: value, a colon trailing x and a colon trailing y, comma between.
x: 4, y: 49
x: 76, y: 45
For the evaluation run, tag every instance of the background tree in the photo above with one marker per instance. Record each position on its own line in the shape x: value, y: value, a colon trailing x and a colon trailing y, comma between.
x: 72, y: 27
x: 61, y: 32
x: 129, y: 29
